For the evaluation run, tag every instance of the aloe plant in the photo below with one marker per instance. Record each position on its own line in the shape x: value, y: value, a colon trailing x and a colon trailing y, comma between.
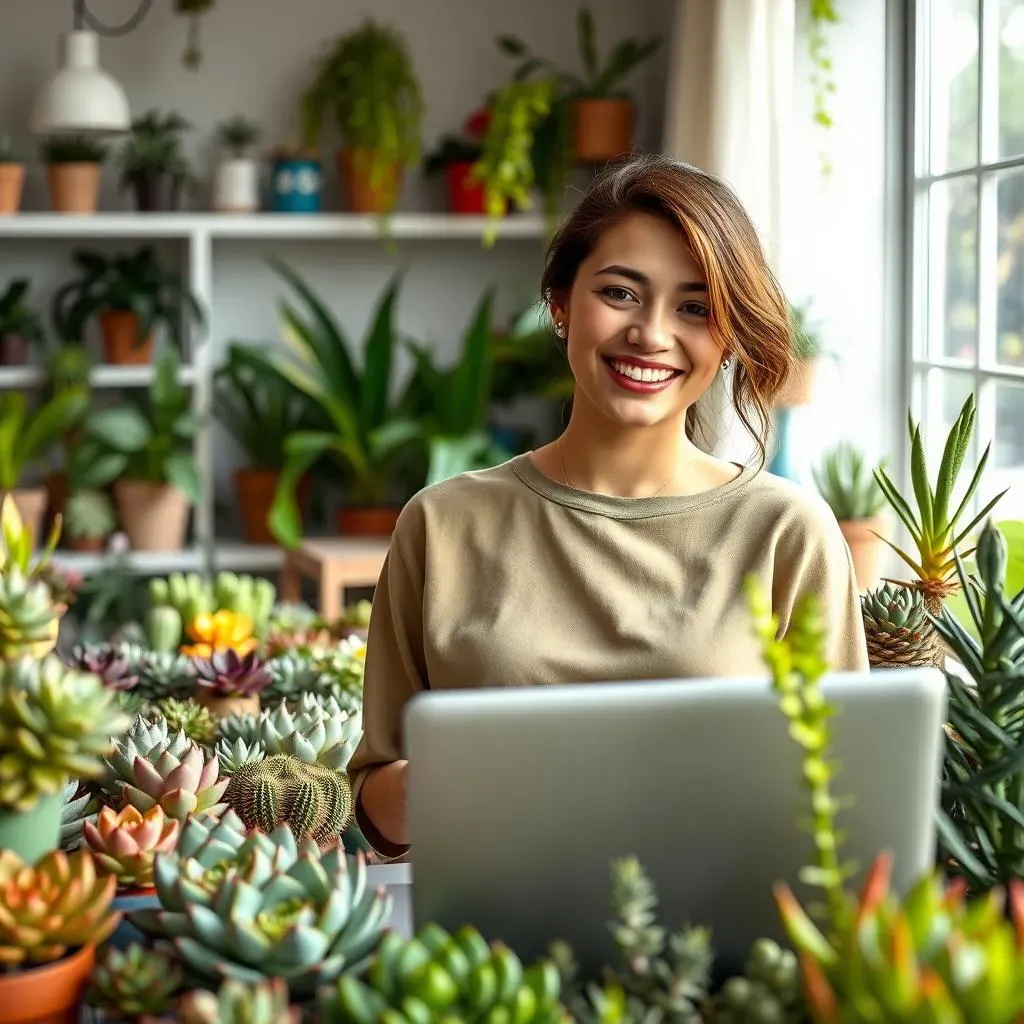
x: 27, y: 434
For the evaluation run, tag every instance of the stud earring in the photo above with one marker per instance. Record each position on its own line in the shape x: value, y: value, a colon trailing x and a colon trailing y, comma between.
x: 560, y: 329
x: 726, y: 363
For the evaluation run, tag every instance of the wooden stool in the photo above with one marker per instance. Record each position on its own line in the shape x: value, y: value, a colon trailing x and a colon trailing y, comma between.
x: 334, y: 563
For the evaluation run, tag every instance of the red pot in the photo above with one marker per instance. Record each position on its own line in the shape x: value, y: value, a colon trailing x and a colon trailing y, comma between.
x: 465, y: 194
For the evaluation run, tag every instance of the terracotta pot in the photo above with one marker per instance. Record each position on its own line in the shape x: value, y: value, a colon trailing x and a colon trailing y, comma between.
x: 31, y: 503
x: 74, y: 188
x: 49, y: 994
x: 87, y: 544
x: 799, y: 386
x: 12, y: 181
x: 119, y: 329
x: 364, y: 196
x: 865, y: 548
x: 13, y: 350
x: 154, y: 516
x: 255, y: 489
x: 378, y: 521
x: 225, y: 707
x: 602, y: 129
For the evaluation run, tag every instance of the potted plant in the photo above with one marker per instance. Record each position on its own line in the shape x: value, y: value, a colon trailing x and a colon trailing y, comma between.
x: 237, y: 185
x: 146, y: 450
x: 132, y: 295
x: 89, y: 519
x: 603, y: 113
x: 456, y: 156
x: 153, y: 166
x: 20, y: 325
x: 367, y: 83
x: 260, y: 412
x: 851, y: 491
x: 12, y: 176
x: 360, y: 429
x: 296, y: 179
x: 73, y: 168
x: 229, y: 682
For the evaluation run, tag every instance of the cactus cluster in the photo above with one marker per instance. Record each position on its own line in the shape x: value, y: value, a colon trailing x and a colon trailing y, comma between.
x: 126, y: 842
x: 314, y: 801
x: 132, y: 983
x: 258, y: 906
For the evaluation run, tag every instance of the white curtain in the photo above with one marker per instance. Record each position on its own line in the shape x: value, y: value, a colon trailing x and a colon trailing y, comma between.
x: 729, y: 111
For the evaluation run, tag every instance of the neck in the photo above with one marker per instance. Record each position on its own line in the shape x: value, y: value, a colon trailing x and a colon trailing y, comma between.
x: 630, y: 462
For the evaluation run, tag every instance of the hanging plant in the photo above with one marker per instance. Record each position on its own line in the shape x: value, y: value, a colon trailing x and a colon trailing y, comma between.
x: 192, y: 56
x: 822, y: 14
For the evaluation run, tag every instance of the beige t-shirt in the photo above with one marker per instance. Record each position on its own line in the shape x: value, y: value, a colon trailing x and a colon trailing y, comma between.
x: 503, y: 577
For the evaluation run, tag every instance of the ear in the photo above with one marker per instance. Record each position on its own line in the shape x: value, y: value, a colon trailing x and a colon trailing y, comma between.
x: 558, y: 309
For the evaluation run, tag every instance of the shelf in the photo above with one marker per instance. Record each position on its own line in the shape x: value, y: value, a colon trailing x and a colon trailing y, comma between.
x: 265, y: 226
x: 236, y: 557
x: 253, y: 558
x: 100, y: 376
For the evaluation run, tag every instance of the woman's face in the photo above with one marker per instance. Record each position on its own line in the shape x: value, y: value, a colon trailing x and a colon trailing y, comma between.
x: 637, y: 320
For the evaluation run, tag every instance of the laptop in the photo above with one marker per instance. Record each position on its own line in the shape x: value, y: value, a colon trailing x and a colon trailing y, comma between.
x: 520, y: 798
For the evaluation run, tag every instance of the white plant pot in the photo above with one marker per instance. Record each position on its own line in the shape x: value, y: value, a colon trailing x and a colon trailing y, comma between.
x: 237, y: 187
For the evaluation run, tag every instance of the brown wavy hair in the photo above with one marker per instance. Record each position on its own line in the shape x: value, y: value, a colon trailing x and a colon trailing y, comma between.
x: 748, y: 314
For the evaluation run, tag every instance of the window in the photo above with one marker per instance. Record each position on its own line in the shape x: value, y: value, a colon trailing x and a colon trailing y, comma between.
x: 967, y: 275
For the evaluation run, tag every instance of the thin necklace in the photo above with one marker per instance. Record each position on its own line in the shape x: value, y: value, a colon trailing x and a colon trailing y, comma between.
x: 565, y: 482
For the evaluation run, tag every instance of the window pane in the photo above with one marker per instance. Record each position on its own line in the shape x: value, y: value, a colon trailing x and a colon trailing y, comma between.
x: 1011, y: 78
x: 945, y: 396
x: 1010, y: 269
x: 953, y: 269
x: 1006, y: 462
x: 953, y: 92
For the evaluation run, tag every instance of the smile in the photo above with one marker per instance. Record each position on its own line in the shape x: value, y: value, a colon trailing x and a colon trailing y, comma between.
x: 641, y: 378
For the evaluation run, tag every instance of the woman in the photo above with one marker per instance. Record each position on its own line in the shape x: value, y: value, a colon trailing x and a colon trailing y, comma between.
x: 619, y: 550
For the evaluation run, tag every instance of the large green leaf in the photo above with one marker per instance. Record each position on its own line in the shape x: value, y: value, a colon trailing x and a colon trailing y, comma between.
x: 302, y: 449
x: 958, y: 604
x: 13, y: 409
x: 181, y: 471
x: 378, y: 359
x: 450, y: 456
x: 471, y: 378
x: 122, y: 429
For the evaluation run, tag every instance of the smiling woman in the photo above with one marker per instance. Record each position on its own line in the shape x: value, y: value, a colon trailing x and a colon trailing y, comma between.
x: 619, y: 550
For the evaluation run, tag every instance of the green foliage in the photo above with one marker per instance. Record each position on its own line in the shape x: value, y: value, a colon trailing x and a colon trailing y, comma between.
x: 89, y: 513
x: 195, y: 720
x: 155, y: 147
x: 238, y: 1003
x: 238, y: 135
x: 17, y: 318
x: 804, y: 334
x: 74, y: 149
x: 132, y: 982
x: 848, y: 485
x: 822, y: 13
x: 27, y: 434
x: 192, y: 595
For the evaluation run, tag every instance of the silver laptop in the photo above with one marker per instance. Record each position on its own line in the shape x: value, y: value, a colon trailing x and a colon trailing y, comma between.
x: 520, y: 798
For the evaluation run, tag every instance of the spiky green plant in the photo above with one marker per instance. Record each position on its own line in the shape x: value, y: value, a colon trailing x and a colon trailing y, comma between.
x: 436, y: 976
x: 235, y: 754
x: 162, y: 674
x: 260, y: 906
x: 134, y: 982
x: 981, y: 824
x: 188, y: 716
x: 77, y: 809
x: 291, y: 674
x: 241, y: 727
x: 897, y: 629
x: 319, y: 730
x: 314, y: 801
x: 847, y: 484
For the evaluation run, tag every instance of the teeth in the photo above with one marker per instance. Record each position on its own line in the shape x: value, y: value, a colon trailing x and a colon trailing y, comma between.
x: 646, y: 375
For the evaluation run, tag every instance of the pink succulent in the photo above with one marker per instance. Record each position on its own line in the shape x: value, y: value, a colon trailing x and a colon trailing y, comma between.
x: 181, y: 786
x: 126, y: 842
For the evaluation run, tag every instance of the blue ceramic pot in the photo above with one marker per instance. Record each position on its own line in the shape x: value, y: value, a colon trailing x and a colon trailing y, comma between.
x: 132, y: 899
x: 296, y: 184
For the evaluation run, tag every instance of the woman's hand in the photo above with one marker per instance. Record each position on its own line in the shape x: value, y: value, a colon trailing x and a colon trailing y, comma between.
x: 383, y: 800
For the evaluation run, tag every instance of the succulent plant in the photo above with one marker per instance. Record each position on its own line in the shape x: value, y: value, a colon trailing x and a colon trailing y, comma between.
x: 897, y: 628
x: 290, y: 675
x: 250, y: 596
x: 107, y: 662
x: 230, y: 674
x: 436, y: 976
x: 183, y: 785
x: 303, y: 642
x: 848, y: 485
x: 55, y: 724
x: 233, y: 755
x: 78, y: 808
x: 125, y: 842
x: 238, y: 1003
x: 314, y: 801
x: 259, y: 906
x: 143, y: 739
x: 134, y: 982
x: 222, y: 631
x: 342, y: 669
x: 241, y: 727
x: 29, y: 620
x: 770, y: 989
x: 163, y: 674
x: 51, y: 907
x: 317, y: 731
x: 291, y: 617
x: 197, y: 722
x: 163, y: 628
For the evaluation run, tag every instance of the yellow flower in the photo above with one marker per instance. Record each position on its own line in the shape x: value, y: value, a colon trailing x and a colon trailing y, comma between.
x: 221, y: 631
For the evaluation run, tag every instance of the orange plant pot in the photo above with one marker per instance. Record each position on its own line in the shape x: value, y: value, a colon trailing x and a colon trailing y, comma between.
x: 602, y: 129
x: 379, y: 521
x: 363, y: 193
x: 866, y: 549
x: 50, y: 994
x: 119, y: 329
x: 31, y: 503
x: 255, y: 489
x: 154, y: 516
x: 225, y: 707
x: 74, y: 188
x: 12, y: 182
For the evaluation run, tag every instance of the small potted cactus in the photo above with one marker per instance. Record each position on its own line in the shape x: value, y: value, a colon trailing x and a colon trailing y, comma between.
x: 12, y: 176
x: 54, y: 912
x: 229, y: 683
x: 134, y: 983
x: 237, y: 184
x: 88, y: 519
x: 74, y: 165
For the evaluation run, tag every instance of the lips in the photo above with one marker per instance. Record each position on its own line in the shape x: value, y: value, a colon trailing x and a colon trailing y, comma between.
x: 641, y: 376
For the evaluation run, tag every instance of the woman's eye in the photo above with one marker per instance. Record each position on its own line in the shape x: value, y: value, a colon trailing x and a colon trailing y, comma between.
x: 695, y: 308
x: 617, y: 293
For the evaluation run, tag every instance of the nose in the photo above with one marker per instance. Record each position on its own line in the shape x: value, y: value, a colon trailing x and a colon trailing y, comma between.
x: 650, y: 331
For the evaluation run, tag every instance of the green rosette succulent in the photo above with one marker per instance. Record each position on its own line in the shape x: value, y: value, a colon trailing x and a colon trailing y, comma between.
x: 29, y: 619
x: 189, y: 784
x: 234, y: 755
x: 77, y: 809
x: 143, y: 739
x: 237, y: 1003
x: 290, y: 675
x: 259, y: 906
x: 316, y: 732
x: 133, y: 982
x: 240, y: 727
x: 55, y: 724
x: 162, y: 674
x: 195, y: 720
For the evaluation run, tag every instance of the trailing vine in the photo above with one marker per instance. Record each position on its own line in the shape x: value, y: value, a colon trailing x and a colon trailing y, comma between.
x: 822, y: 14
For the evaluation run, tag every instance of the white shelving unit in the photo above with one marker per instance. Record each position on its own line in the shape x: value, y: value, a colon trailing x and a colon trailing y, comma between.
x: 199, y: 232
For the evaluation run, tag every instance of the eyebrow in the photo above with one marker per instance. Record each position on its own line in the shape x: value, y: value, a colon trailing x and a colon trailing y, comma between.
x: 642, y: 279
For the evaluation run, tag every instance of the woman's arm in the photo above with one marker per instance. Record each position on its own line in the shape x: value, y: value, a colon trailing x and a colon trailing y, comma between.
x: 395, y: 670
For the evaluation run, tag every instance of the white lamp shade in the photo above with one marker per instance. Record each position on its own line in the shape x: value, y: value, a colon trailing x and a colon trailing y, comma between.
x: 81, y: 98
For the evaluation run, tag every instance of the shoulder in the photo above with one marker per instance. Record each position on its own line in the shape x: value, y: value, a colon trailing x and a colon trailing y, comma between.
x: 794, y: 513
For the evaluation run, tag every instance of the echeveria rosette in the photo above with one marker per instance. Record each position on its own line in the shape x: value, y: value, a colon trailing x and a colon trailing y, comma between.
x: 55, y: 724
x: 134, y: 982
x: 189, y: 784
x: 317, y: 731
x: 126, y: 842
x: 263, y: 906
x: 106, y: 661
x: 231, y: 674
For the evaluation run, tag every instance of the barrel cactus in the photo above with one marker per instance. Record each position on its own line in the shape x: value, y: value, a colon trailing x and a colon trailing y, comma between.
x: 314, y: 801
x: 258, y: 906
x: 133, y: 983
